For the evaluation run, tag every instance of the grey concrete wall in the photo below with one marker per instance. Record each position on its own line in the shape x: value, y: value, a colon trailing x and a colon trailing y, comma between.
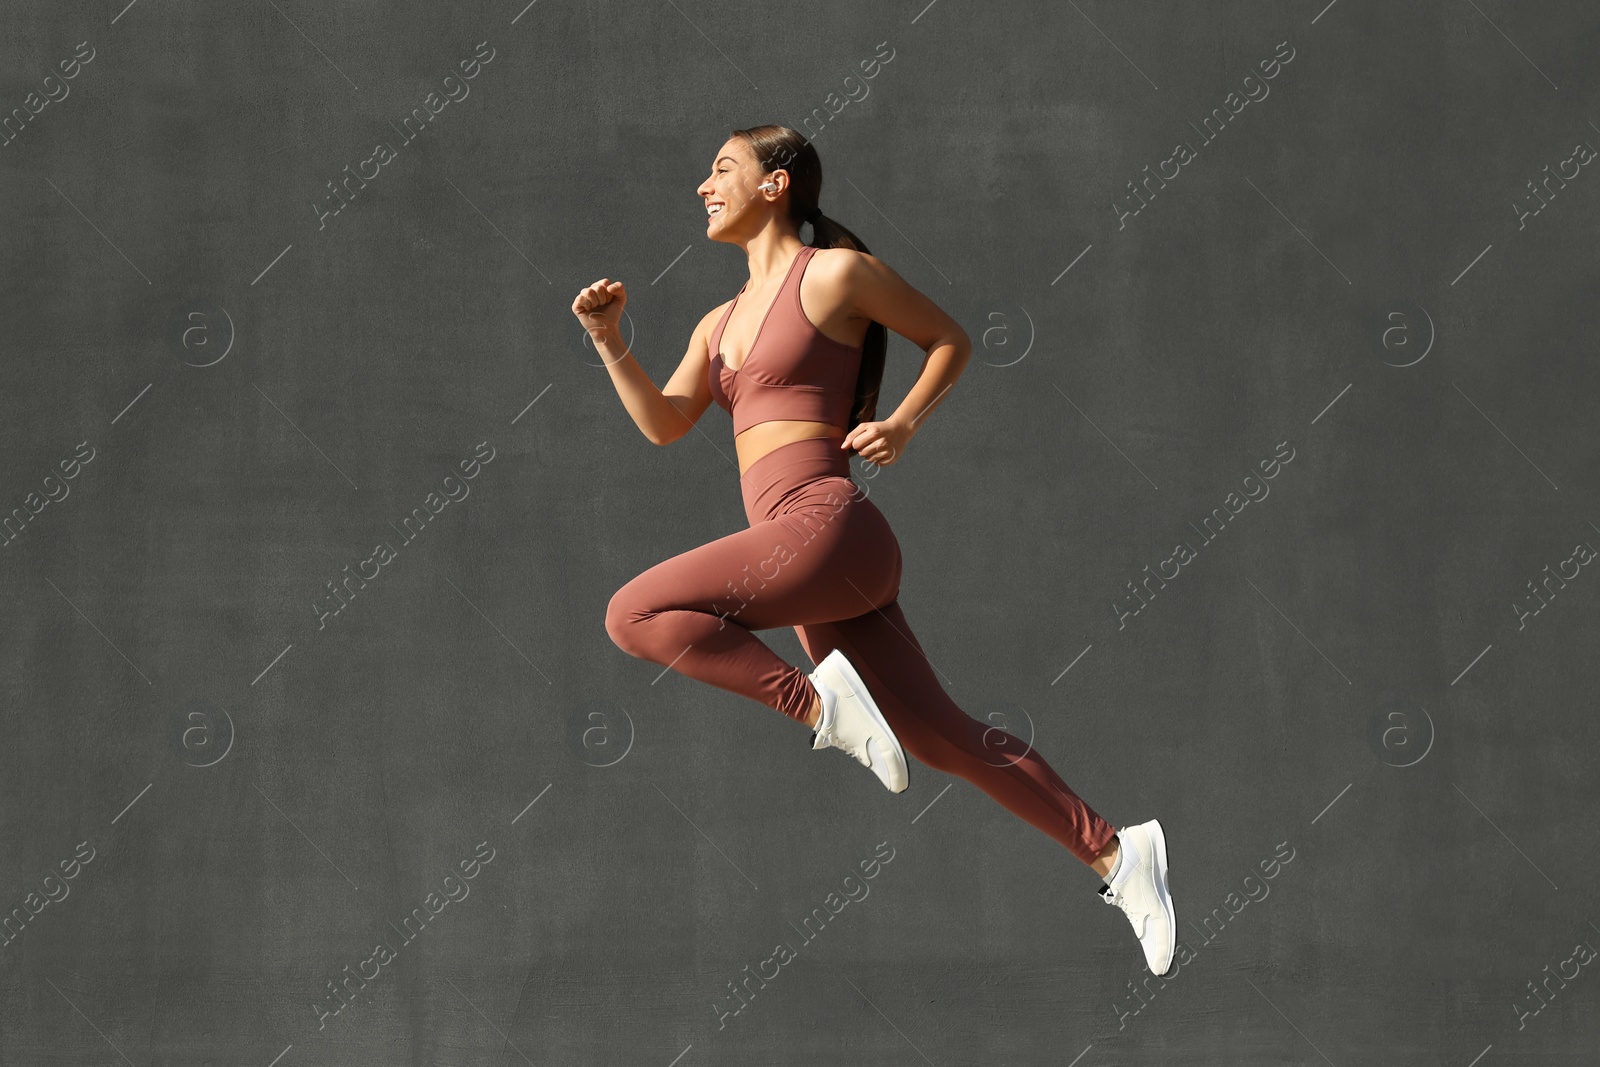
x: 451, y: 822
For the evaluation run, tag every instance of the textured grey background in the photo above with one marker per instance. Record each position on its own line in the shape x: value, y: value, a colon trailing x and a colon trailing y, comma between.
x: 1342, y: 672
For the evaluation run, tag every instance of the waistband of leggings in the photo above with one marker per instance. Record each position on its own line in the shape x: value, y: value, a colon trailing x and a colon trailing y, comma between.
x: 822, y: 453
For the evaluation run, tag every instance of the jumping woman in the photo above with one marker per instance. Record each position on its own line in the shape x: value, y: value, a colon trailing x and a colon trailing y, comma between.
x: 798, y: 365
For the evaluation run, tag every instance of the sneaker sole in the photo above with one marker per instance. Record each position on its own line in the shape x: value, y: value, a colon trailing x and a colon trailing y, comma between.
x: 863, y: 697
x: 1163, y: 891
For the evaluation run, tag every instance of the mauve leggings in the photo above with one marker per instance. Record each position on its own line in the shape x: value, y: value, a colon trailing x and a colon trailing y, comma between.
x: 819, y: 556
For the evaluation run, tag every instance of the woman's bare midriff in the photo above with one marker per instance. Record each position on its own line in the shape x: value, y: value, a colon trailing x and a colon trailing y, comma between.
x: 763, y: 437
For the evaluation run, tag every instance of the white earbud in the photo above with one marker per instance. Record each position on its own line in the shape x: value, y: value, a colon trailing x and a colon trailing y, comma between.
x: 767, y: 185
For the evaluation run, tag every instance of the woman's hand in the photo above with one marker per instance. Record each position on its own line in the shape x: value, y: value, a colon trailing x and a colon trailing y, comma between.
x: 879, y: 442
x: 599, y: 308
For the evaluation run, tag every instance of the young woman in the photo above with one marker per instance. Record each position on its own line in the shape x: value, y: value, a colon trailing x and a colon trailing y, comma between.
x: 797, y: 358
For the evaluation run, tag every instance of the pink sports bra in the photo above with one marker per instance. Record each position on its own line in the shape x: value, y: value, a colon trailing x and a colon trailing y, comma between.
x: 797, y: 373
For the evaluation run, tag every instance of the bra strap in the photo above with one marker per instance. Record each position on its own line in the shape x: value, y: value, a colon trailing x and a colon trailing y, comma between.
x: 716, y: 335
x: 792, y: 282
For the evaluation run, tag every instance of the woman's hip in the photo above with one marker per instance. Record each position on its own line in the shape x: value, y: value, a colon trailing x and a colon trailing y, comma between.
x: 775, y: 482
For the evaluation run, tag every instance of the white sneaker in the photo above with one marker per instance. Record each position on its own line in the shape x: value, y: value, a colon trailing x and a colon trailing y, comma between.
x: 1142, y: 894
x: 851, y: 721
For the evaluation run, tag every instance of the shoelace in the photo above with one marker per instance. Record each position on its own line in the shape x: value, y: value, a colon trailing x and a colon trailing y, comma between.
x: 857, y: 752
x: 1140, y: 925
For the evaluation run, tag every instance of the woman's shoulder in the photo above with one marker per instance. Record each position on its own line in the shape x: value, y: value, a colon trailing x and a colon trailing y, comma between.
x: 835, y: 272
x: 710, y: 318
x: 706, y: 328
x: 839, y: 261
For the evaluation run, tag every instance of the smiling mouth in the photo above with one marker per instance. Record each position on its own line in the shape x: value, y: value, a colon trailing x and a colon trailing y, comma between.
x: 713, y: 210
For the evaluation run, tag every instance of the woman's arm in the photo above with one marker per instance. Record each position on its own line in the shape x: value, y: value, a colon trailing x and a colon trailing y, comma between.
x: 879, y: 294
x: 662, y: 415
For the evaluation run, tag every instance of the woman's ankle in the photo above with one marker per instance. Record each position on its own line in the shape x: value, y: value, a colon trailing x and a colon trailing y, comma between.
x: 1107, y: 860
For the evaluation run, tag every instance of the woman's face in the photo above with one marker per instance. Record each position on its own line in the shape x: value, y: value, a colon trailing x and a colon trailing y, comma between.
x: 733, y: 203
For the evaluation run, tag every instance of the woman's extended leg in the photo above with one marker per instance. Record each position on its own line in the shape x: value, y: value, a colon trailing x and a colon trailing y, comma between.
x: 937, y: 732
